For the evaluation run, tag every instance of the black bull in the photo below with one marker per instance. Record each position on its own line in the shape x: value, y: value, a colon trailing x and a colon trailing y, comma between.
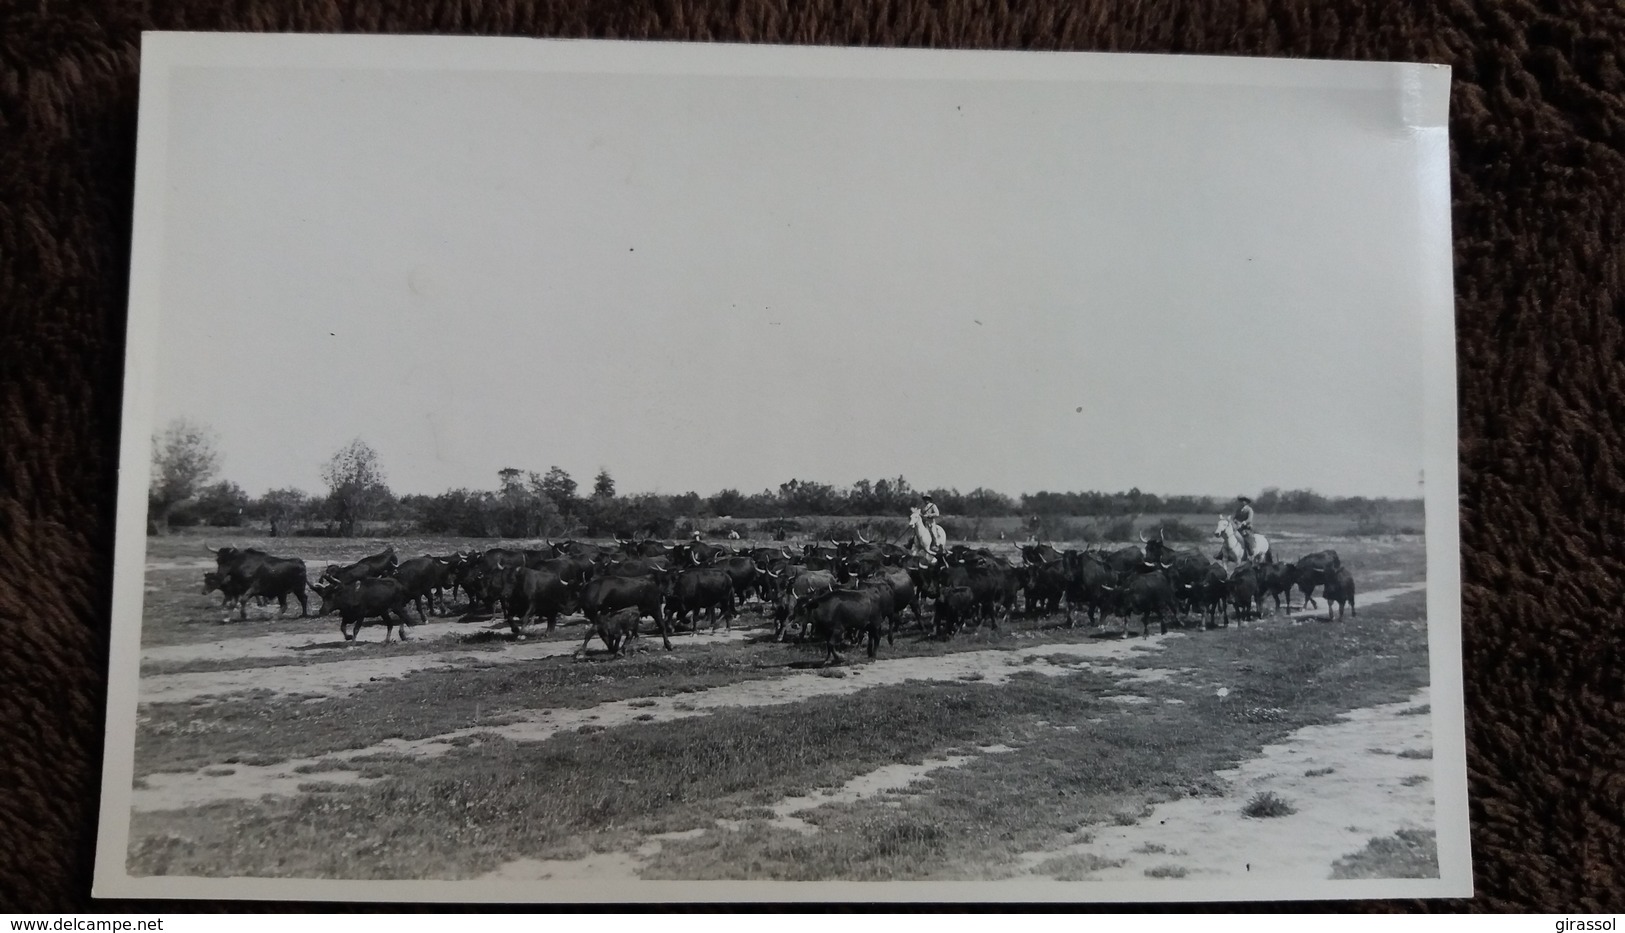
x: 360, y: 600
x: 528, y: 594
x: 703, y: 588
x: 608, y: 594
x: 839, y: 612
x: 249, y: 573
x: 382, y: 564
x: 1146, y: 594
x: 1312, y: 572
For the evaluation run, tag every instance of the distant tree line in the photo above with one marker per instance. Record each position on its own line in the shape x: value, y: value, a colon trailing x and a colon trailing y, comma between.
x: 526, y: 504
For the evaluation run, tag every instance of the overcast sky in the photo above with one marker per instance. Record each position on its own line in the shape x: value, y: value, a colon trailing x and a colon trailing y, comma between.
x: 703, y: 282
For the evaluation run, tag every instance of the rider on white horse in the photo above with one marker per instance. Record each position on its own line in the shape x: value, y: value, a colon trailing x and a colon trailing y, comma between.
x: 929, y: 512
x: 1243, y: 520
x: 931, y: 536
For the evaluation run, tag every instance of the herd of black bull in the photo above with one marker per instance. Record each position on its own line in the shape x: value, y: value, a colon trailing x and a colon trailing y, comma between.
x: 840, y: 592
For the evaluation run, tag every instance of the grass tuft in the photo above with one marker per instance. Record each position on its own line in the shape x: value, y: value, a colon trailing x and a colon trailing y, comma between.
x: 1166, y: 871
x: 1267, y: 806
x: 1318, y: 772
x: 1409, y: 853
x: 1414, y: 753
x: 1075, y: 866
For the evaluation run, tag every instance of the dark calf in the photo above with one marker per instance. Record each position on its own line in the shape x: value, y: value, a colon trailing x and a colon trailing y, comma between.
x: 956, y: 605
x: 1275, y: 581
x: 616, y: 629
x: 1340, y: 590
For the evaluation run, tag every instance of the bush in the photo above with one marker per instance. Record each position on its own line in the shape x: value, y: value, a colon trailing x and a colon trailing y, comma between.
x: 1064, y: 529
x: 1120, y: 530
x: 1166, y: 871
x: 1175, y: 530
x: 886, y: 529
x: 1267, y: 805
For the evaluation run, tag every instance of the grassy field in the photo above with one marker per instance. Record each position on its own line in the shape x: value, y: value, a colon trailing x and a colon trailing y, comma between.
x: 992, y: 755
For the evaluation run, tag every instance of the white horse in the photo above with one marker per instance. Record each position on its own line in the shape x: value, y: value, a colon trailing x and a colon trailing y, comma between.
x: 932, y: 539
x: 1232, y: 548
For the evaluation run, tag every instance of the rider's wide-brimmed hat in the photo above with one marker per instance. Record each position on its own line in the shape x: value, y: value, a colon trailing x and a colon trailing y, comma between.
x: 925, y: 497
x: 1243, y: 499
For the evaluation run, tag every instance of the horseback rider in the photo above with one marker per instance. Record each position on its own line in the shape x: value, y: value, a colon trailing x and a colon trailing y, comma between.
x: 1243, y: 520
x: 929, y: 514
x: 929, y: 511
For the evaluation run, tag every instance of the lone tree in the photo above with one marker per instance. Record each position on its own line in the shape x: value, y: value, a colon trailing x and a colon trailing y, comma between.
x: 356, y: 489
x: 603, y: 485
x: 183, y: 462
x: 561, y: 489
x: 283, y: 508
x: 523, y: 510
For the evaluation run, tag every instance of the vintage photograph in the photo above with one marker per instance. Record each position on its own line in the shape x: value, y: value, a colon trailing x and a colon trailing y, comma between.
x: 593, y: 471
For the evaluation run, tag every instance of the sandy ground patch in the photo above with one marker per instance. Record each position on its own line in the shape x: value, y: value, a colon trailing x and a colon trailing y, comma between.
x: 626, y: 865
x: 883, y: 780
x: 176, y: 790
x: 291, y: 644
x: 599, y: 866
x: 1360, y: 599
x: 199, y: 563
x: 1364, y: 795
x: 179, y: 790
x: 353, y: 668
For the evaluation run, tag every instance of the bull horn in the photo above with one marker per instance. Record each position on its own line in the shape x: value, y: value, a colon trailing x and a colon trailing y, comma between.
x: 863, y: 539
x: 1162, y: 534
x: 1142, y: 537
x: 211, y: 550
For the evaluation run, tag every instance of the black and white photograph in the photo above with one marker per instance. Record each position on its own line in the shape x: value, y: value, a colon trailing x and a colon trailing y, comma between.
x: 589, y: 471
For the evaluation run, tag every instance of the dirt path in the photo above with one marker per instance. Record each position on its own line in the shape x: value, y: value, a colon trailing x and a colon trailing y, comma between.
x: 627, y: 865
x: 175, y: 790
x: 352, y: 668
x: 290, y: 645
x: 178, y: 790
x: 349, y: 669
x: 1369, y: 791
x: 189, y: 563
x: 1360, y: 599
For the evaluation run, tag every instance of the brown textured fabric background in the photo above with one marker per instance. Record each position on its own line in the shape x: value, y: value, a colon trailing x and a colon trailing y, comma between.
x: 1537, y: 127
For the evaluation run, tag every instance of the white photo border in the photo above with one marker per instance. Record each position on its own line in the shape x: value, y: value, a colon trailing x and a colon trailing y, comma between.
x: 1423, y: 93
